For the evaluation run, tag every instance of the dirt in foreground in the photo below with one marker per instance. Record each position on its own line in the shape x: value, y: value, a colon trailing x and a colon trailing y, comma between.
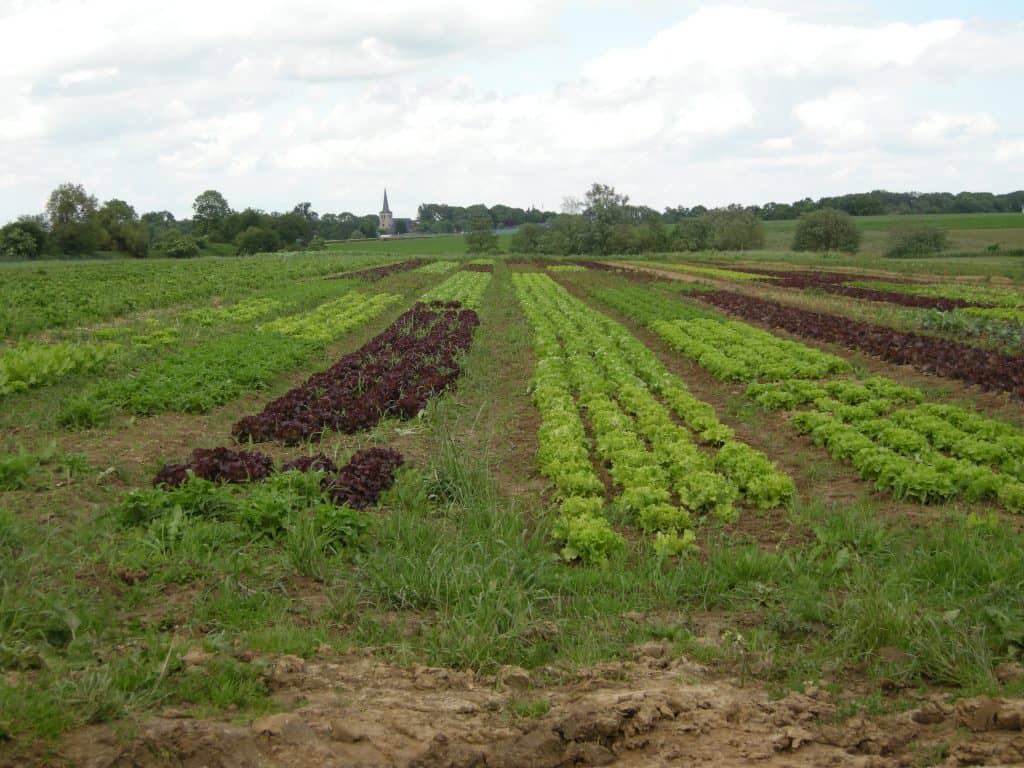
x: 356, y: 710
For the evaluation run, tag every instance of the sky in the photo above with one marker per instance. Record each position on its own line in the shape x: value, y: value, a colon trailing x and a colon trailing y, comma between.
x: 524, y: 103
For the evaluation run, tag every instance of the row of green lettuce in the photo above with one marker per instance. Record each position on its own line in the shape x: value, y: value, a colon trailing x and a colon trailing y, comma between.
x: 913, y: 450
x: 667, y: 457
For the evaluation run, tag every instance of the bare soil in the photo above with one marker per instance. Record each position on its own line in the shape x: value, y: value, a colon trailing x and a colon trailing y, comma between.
x: 355, y: 710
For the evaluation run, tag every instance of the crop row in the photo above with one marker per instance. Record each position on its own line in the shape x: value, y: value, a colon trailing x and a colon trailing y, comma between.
x: 29, y: 365
x: 244, y: 311
x: 123, y: 347
x: 38, y: 296
x: 373, y: 274
x: 942, y: 357
x: 331, y: 319
x: 729, y: 350
x: 998, y: 324
x: 358, y: 484
x: 839, y: 283
x: 218, y: 370
x: 992, y: 295
x: 926, y: 453
x: 438, y: 267
x: 589, y: 366
x: 715, y: 272
x: 465, y: 287
x: 394, y: 374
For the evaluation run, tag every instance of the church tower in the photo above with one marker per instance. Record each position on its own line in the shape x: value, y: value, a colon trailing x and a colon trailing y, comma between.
x: 387, y: 223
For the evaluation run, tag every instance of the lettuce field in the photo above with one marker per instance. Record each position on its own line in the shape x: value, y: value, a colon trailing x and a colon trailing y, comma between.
x: 251, y: 508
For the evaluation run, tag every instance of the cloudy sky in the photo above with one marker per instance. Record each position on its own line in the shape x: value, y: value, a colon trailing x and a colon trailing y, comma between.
x: 524, y: 102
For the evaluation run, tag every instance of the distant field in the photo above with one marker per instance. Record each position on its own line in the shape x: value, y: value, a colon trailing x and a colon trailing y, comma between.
x: 951, y: 221
x: 444, y: 245
x: 967, y: 232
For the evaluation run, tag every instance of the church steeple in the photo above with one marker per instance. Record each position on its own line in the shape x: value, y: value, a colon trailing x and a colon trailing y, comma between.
x: 387, y: 222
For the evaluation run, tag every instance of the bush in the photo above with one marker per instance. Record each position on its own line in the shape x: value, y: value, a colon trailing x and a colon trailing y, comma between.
x: 916, y: 240
x: 693, y: 234
x: 734, y: 229
x: 177, y: 246
x: 258, y: 240
x: 317, y: 244
x: 17, y: 244
x: 826, y: 230
x: 527, y: 239
x: 481, y: 238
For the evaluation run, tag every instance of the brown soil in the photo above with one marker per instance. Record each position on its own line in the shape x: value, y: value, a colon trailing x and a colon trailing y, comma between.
x: 355, y: 710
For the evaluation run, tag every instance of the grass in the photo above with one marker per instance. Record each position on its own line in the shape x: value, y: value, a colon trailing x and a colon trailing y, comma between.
x: 434, y: 245
x: 949, y: 221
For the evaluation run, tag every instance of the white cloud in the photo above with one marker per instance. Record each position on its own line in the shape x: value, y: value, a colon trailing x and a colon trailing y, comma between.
x: 1012, y: 149
x: 938, y: 128
x: 443, y: 101
x: 837, y: 118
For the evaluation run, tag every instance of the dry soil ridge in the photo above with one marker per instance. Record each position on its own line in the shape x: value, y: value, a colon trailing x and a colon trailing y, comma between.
x: 357, y: 710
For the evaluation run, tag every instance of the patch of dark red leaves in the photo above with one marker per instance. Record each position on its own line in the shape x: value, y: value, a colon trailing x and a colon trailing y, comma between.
x: 985, y: 368
x: 221, y: 465
x: 835, y: 282
x: 367, y: 475
x: 376, y: 273
x: 358, y: 484
x: 394, y: 374
x: 479, y: 267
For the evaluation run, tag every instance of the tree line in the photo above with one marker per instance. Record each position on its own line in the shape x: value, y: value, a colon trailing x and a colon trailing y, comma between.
x: 878, y: 202
x: 604, y: 222
x: 74, y: 223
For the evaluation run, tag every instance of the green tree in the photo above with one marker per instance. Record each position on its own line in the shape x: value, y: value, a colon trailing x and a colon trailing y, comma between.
x: 826, y: 230
x: 25, y: 238
x: 527, y: 239
x: 566, y: 235
x: 16, y: 244
x: 481, y: 238
x: 124, y: 230
x: 70, y: 204
x: 607, y: 212
x: 736, y: 229
x: 293, y: 229
x: 916, y: 240
x: 210, y: 211
x: 176, y: 245
x: 258, y: 240
x: 71, y: 213
x: 693, y: 234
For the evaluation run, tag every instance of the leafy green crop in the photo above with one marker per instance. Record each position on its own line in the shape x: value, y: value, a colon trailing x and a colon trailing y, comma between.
x: 636, y: 410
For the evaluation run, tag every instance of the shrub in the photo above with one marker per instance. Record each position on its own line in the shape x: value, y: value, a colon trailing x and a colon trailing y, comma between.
x: 826, y: 230
x: 175, y: 245
x: 258, y: 240
x: 481, y: 238
x: 734, y: 229
x: 527, y: 239
x: 21, y: 240
x: 693, y: 234
x: 916, y: 240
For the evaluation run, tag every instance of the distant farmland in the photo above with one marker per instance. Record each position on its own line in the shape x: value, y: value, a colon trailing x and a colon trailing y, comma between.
x: 967, y: 231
